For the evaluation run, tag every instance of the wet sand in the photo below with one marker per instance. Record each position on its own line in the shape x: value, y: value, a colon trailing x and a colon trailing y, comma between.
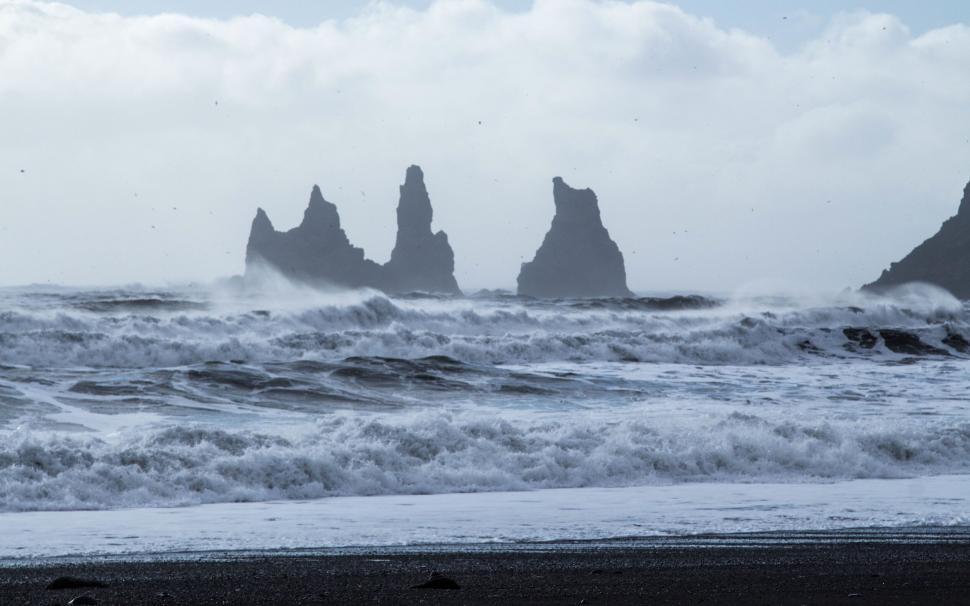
x: 853, y: 568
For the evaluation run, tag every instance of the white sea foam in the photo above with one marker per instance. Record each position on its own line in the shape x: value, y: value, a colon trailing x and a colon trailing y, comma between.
x: 440, y: 452
x: 169, y: 333
x: 143, y: 398
x: 939, y: 504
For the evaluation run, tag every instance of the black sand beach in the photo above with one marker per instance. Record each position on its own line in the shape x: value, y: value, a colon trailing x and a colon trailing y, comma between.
x: 847, y: 568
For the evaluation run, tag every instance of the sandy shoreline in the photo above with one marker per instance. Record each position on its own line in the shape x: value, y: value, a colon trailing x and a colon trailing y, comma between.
x: 885, y: 567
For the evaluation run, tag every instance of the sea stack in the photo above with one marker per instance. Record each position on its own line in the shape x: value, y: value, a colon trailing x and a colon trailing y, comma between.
x: 316, y: 252
x: 943, y: 260
x: 577, y: 257
x: 421, y: 260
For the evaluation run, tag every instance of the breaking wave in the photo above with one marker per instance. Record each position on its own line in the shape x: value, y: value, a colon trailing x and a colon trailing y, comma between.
x: 138, y: 331
x: 458, y: 452
x: 141, y: 398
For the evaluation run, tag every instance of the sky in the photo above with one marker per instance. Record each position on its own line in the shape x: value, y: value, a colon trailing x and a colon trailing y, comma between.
x: 789, y: 143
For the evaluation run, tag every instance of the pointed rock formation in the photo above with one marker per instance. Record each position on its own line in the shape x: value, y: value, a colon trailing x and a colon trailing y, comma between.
x: 317, y: 251
x: 421, y: 260
x: 577, y: 257
x: 943, y: 260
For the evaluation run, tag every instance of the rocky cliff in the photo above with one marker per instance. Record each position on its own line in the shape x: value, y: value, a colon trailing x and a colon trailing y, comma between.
x: 943, y: 260
x: 577, y: 258
x: 318, y: 251
x: 421, y: 260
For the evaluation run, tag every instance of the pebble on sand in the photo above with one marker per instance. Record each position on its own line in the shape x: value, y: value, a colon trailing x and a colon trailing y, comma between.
x: 438, y: 581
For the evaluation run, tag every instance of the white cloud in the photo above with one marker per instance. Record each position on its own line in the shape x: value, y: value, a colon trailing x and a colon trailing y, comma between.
x: 148, y: 142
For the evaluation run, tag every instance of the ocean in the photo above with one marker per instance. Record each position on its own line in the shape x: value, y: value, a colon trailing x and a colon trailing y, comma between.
x: 198, y: 418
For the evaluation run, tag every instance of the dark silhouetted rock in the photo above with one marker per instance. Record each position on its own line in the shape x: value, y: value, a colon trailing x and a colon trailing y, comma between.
x: 421, y: 260
x: 902, y: 342
x: 73, y: 583
x: 861, y: 337
x: 318, y: 252
x: 577, y: 257
x: 437, y: 581
x: 957, y: 342
x: 943, y: 260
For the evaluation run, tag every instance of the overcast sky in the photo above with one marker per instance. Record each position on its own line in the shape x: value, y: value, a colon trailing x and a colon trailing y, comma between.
x: 789, y: 142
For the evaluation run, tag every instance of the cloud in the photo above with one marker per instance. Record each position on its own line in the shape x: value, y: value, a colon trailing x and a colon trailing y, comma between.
x: 148, y: 142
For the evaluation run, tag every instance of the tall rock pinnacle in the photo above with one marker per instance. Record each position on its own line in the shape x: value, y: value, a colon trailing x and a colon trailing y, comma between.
x: 943, y: 260
x: 421, y: 260
x: 577, y: 258
x: 319, y: 252
x: 414, y: 212
x: 964, y: 209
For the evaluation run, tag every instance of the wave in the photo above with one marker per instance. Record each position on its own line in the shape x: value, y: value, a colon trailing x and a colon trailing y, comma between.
x: 169, y: 331
x: 437, y: 452
x: 313, y: 386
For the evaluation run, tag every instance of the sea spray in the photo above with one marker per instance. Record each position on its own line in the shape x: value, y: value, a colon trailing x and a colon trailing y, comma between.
x: 439, y: 452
